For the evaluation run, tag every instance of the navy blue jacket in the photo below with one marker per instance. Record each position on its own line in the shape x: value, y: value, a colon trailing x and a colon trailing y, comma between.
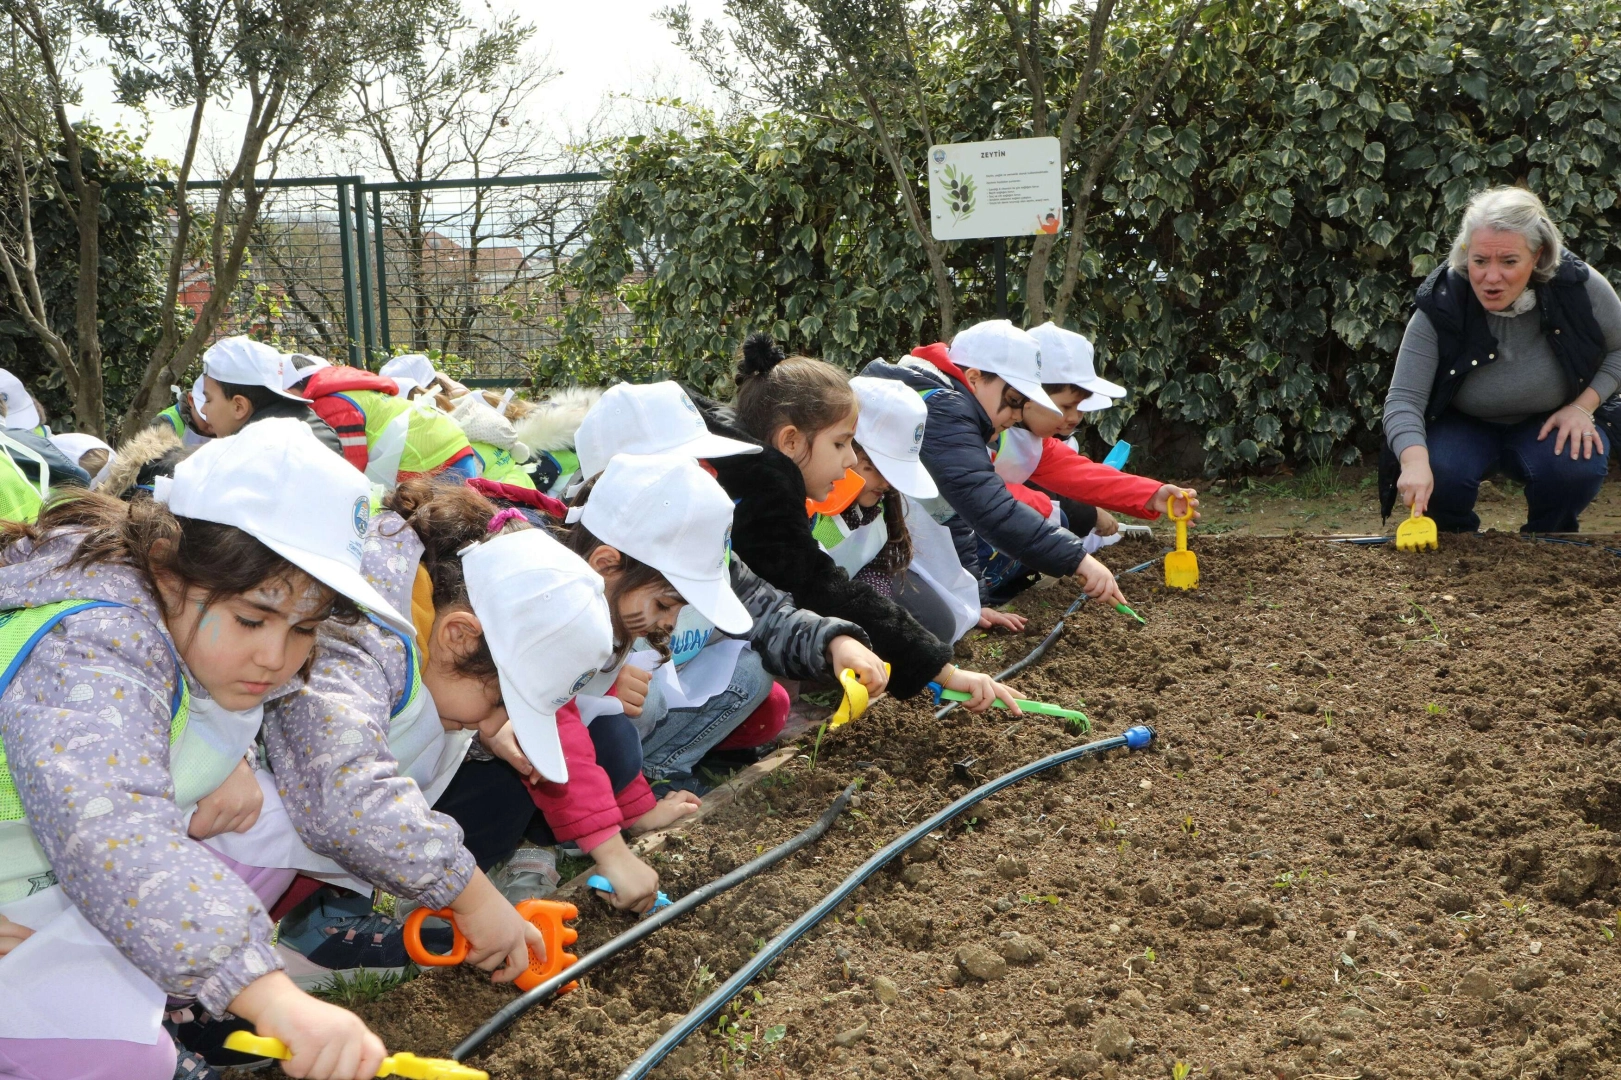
x: 956, y: 451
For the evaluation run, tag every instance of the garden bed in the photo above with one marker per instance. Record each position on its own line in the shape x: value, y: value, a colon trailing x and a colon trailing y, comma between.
x: 1376, y: 838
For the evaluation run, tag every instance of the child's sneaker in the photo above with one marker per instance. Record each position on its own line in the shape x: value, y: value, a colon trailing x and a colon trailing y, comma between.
x: 198, y: 1034
x: 340, y: 934
x: 189, y: 1065
x: 530, y: 874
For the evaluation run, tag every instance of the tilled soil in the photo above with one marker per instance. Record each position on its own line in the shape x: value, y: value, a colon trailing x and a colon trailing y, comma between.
x: 1377, y: 837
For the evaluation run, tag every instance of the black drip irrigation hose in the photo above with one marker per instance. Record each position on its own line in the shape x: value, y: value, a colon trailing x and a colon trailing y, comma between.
x: 1052, y: 636
x: 1374, y: 541
x: 602, y: 953
x: 1133, y: 738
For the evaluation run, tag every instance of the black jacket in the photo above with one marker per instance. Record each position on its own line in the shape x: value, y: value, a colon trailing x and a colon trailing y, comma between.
x: 956, y: 451
x: 64, y: 472
x: 1465, y: 343
x: 302, y: 411
x: 772, y: 533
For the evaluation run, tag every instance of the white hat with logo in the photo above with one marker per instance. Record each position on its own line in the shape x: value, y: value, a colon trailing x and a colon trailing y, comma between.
x: 889, y: 428
x: 1000, y: 348
x: 242, y: 361
x: 199, y: 399
x: 647, y: 418
x: 277, y: 483
x: 664, y: 510
x: 409, y: 372
x: 1067, y: 358
x: 546, y: 621
x: 20, y: 411
x: 296, y: 374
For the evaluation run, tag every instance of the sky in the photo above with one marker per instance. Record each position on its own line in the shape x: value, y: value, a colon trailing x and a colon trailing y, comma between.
x: 600, y: 47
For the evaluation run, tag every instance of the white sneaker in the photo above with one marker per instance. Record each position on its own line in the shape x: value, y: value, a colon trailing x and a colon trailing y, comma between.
x: 530, y: 874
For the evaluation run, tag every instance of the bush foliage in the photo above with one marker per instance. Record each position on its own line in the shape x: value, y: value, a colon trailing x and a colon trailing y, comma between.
x: 1254, y: 244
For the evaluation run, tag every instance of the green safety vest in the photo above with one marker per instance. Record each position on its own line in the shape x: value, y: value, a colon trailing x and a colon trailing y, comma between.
x: 21, y: 498
x: 498, y: 465
x: 24, y: 868
x: 172, y: 417
x: 405, y: 436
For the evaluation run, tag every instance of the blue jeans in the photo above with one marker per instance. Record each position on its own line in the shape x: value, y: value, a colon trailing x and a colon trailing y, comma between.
x: 679, y: 738
x: 1463, y: 450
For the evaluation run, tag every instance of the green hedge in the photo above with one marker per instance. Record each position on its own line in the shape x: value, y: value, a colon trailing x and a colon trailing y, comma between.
x: 1253, y: 247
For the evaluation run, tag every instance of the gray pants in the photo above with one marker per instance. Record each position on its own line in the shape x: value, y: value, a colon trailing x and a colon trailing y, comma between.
x: 677, y: 739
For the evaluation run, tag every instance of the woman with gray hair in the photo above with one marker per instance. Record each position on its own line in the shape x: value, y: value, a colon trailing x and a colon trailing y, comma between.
x: 1515, y: 345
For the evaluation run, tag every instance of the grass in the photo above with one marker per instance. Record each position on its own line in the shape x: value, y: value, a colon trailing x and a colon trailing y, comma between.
x: 364, y: 986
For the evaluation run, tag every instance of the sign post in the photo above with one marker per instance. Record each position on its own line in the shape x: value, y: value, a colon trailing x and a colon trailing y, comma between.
x: 1002, y: 188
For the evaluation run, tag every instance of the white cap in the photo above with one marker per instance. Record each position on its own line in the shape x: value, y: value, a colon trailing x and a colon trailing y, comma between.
x: 1000, y: 348
x: 20, y: 411
x: 277, y: 483
x: 244, y: 362
x: 889, y: 428
x: 664, y: 510
x: 199, y: 399
x: 409, y: 372
x: 76, y: 444
x: 651, y: 418
x: 1067, y: 358
x: 295, y: 374
x: 546, y: 621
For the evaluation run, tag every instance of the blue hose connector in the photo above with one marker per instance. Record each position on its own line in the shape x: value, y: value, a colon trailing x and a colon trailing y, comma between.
x: 1138, y: 736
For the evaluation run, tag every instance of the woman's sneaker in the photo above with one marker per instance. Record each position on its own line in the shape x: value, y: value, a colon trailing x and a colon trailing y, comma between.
x: 339, y: 934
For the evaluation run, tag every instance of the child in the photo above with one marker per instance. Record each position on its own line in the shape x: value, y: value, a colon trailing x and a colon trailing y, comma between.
x: 383, y: 434
x: 88, y: 452
x: 714, y: 692
x: 886, y: 537
x: 245, y: 381
x: 974, y: 391
x: 185, y: 417
x: 19, y: 408
x: 173, y: 617
x: 803, y: 414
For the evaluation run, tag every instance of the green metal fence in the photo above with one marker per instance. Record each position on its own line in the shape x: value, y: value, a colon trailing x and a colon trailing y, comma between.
x: 360, y: 271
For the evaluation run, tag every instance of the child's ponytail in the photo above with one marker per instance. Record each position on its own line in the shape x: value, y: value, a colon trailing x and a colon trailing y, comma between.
x: 774, y: 391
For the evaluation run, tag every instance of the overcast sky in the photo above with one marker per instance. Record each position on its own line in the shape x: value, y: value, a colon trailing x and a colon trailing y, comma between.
x: 600, y: 47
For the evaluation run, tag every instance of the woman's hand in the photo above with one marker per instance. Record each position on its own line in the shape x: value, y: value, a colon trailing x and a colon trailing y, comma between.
x: 1097, y: 582
x: 12, y: 935
x: 636, y: 885
x: 845, y: 651
x: 498, y: 938
x: 504, y: 745
x: 1576, y: 425
x: 984, y: 690
x: 327, y: 1043
x: 232, y: 807
x: 1416, y: 483
x: 1106, y: 524
x: 631, y: 689
x: 1161, y: 502
x: 1007, y: 620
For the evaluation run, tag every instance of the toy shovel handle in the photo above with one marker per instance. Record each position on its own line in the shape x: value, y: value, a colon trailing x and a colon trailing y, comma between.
x: 419, y: 952
x: 1187, y: 508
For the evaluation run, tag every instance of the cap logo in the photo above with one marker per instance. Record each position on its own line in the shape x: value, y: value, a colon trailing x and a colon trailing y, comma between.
x: 362, y: 516
x: 579, y: 684
x: 917, y: 436
x: 726, y: 553
x: 687, y: 404
x: 1038, y: 361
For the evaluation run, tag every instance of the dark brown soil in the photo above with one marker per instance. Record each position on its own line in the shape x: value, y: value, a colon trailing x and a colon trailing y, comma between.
x: 1376, y: 838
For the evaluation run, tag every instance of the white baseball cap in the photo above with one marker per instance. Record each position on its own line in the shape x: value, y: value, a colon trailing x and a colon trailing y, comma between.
x: 889, y: 428
x: 199, y: 399
x: 999, y: 347
x: 409, y: 372
x: 20, y: 411
x: 1067, y: 358
x: 546, y: 621
x: 664, y: 510
x: 295, y: 374
x: 277, y: 483
x: 244, y: 362
x: 649, y: 418
x: 76, y: 444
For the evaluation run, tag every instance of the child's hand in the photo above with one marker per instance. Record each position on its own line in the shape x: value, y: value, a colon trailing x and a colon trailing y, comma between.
x: 498, y: 938
x: 1098, y: 582
x: 636, y: 885
x: 1007, y: 620
x: 232, y: 807
x: 327, y: 1043
x: 504, y: 745
x: 985, y: 690
x: 631, y: 689
x: 12, y: 935
x: 846, y: 652
x: 1161, y: 502
x: 1106, y: 524
x: 668, y: 810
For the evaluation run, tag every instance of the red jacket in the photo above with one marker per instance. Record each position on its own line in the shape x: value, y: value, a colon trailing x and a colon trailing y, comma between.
x: 587, y: 810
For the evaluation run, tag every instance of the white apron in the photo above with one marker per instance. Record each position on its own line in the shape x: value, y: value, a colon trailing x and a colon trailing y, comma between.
x: 934, y: 559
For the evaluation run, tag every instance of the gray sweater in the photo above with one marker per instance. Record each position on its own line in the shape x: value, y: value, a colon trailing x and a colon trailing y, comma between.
x: 1525, y: 379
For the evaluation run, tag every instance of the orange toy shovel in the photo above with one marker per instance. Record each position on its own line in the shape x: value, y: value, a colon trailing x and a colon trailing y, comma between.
x: 844, y: 492
x: 548, y: 917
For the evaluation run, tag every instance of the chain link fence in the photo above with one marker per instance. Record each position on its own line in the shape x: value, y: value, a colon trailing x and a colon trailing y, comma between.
x: 357, y: 272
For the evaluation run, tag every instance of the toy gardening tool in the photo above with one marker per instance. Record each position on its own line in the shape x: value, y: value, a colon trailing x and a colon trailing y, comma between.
x: 548, y: 917
x: 1417, y: 533
x: 855, y: 699
x: 1181, y: 565
x: 405, y: 1065
x: 1118, y: 455
x: 603, y: 885
x: 1038, y: 708
x: 1125, y: 609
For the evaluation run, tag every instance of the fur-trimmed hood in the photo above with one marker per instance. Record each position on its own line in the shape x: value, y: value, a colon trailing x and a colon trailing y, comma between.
x: 551, y: 424
x: 142, y: 449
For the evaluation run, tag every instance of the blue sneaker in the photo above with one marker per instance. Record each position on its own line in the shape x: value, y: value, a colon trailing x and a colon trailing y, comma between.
x: 339, y: 934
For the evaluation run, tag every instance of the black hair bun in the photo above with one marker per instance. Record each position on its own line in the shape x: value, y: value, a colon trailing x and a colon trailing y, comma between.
x: 760, y: 354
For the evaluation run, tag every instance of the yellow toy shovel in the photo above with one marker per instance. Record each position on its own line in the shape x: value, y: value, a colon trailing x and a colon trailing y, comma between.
x: 1181, y: 565
x: 855, y: 699
x: 408, y: 1066
x: 1417, y: 533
